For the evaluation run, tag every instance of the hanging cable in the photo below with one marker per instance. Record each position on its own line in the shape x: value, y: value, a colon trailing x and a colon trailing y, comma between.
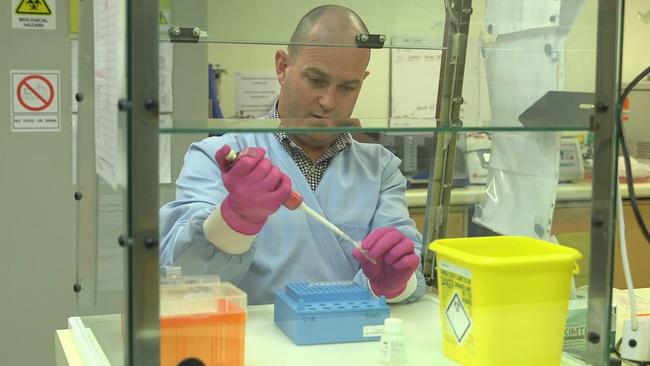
x: 626, y: 155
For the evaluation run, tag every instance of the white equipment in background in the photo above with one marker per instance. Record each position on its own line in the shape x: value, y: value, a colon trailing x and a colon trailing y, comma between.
x: 571, y: 163
x: 636, y: 118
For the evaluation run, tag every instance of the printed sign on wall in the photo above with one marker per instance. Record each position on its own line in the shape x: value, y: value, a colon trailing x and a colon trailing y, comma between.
x: 35, y: 100
x: 33, y: 14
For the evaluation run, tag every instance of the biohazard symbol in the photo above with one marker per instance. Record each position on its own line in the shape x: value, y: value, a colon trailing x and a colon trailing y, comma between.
x: 162, y: 19
x: 33, y: 7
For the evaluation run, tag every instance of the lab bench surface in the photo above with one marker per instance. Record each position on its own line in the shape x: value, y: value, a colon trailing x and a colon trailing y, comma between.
x: 571, y: 224
x: 266, y: 345
x: 565, y: 192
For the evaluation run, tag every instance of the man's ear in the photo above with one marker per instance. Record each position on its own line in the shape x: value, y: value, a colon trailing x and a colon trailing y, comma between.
x: 281, y: 64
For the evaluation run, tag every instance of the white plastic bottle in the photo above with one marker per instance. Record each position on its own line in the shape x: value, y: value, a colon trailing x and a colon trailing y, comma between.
x: 392, y: 343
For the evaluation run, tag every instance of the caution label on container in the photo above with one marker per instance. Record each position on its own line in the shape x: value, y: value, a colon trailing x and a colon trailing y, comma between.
x: 458, y: 319
x: 456, y: 297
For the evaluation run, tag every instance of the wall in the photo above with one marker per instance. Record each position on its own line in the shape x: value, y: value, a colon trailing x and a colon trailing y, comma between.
x: 571, y: 225
x: 421, y: 18
x: 636, y: 53
x: 37, y: 209
x: 278, y: 22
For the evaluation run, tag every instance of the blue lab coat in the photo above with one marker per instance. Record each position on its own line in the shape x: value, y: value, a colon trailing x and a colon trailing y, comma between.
x: 361, y: 190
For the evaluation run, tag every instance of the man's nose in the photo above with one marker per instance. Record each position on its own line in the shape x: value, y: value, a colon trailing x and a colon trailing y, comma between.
x: 327, y: 99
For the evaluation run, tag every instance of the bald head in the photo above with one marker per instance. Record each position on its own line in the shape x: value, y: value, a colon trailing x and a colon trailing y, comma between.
x: 321, y: 78
x: 327, y: 25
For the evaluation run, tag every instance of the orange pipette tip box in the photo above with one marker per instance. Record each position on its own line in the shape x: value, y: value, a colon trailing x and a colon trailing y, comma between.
x: 202, y: 320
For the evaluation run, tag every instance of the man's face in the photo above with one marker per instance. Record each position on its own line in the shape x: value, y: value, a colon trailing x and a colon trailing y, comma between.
x: 319, y: 88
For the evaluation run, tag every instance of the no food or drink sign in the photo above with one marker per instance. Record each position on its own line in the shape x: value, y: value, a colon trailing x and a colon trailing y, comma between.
x: 35, y: 100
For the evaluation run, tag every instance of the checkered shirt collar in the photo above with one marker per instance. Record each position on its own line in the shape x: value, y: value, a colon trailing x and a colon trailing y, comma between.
x: 313, y: 171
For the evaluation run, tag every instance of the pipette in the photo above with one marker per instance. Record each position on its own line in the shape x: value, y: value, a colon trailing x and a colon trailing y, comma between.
x: 296, y: 201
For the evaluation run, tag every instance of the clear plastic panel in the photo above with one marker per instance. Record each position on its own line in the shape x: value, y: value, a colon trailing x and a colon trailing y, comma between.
x: 103, y: 157
x: 525, y: 80
x: 539, y: 194
x: 536, y: 73
x: 101, y: 261
x: 530, y: 64
x: 273, y: 22
x: 532, y: 198
x: 521, y: 164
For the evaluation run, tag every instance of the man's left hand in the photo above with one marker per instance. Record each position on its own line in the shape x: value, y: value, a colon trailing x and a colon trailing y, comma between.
x: 396, y: 261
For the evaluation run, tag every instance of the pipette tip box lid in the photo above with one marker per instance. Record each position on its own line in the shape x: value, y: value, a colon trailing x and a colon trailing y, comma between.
x: 203, y: 318
x: 329, y: 312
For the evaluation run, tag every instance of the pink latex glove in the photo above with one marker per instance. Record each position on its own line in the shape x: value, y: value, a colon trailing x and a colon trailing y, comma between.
x: 256, y: 189
x: 396, y: 261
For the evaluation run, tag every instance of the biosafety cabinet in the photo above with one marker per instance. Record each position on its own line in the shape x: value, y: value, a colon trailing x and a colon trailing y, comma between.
x: 516, y: 76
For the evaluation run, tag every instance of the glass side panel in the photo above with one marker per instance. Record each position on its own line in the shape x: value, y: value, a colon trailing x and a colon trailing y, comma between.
x: 102, y: 157
x: 535, y: 185
x: 103, y: 335
x: 101, y: 260
x: 404, y: 24
x: 517, y: 76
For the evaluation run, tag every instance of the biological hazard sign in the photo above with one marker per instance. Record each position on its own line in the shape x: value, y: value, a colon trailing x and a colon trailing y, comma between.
x: 33, y: 14
x: 455, y: 294
x: 35, y: 100
x: 457, y: 317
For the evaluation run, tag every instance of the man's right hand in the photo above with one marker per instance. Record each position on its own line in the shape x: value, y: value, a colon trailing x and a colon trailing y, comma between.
x: 256, y: 189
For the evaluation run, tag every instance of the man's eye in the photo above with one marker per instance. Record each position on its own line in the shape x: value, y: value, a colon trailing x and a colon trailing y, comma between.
x: 316, y: 81
x: 348, y: 88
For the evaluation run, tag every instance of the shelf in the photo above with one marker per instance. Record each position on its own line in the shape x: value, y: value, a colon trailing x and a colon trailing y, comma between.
x: 367, y: 125
x: 430, y: 45
x: 405, y: 24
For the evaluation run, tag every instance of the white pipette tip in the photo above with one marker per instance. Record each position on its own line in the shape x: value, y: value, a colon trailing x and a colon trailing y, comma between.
x: 365, y: 253
x: 337, y: 231
x: 232, y: 155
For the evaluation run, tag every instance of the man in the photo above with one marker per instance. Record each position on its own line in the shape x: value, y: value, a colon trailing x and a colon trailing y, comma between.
x: 228, y: 218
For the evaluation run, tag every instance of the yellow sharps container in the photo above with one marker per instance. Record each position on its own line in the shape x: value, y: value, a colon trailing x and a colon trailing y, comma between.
x: 503, y: 299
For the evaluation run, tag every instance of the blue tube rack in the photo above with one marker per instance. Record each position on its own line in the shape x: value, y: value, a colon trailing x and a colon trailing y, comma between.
x: 329, y: 312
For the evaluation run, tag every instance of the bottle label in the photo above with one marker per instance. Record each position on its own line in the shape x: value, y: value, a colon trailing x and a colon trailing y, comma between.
x: 392, y: 350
